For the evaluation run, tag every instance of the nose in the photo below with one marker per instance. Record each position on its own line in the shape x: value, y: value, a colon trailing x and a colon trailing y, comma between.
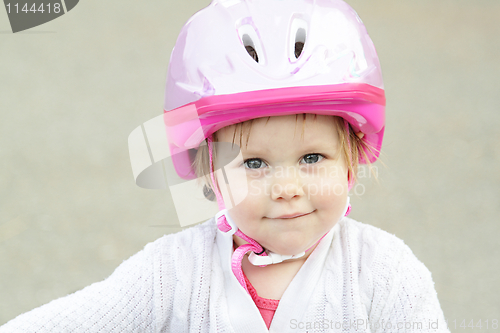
x: 286, y: 188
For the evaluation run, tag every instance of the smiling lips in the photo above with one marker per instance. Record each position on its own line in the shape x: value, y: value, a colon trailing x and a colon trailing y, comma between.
x: 291, y: 216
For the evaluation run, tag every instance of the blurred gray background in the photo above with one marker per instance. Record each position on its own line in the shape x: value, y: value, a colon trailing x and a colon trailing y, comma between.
x: 73, y: 89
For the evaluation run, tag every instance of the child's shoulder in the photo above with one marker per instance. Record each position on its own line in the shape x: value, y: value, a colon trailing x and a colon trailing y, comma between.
x: 378, y: 256
x: 393, y: 284
x: 366, y: 234
x: 376, y: 248
x: 190, y: 241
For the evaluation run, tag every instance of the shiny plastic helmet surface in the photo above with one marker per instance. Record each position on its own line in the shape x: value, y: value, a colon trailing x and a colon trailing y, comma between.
x: 237, y: 60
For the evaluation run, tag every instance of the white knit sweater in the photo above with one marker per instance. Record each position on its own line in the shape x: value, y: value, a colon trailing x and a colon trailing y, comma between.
x: 358, y: 279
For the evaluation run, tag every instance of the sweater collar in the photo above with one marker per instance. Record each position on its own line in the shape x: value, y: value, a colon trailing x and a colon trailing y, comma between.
x: 243, y: 313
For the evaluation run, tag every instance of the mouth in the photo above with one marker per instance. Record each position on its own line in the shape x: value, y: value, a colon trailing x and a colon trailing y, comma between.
x: 292, y: 216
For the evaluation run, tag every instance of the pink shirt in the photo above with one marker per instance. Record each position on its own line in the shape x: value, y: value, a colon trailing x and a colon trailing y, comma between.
x: 267, y: 307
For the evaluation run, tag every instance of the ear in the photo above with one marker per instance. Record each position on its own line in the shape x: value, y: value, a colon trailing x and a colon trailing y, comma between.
x: 360, y: 135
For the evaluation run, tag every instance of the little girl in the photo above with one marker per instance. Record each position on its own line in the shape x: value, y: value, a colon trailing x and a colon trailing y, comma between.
x: 273, y: 103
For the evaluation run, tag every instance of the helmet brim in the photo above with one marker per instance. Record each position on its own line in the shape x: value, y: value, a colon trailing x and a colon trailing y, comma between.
x: 362, y: 105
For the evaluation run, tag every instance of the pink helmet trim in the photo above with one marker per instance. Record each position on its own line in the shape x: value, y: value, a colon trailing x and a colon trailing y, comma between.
x: 360, y: 104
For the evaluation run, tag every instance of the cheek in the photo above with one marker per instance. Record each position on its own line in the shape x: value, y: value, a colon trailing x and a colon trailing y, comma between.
x: 248, y: 213
x: 245, y: 189
x: 328, y: 194
x: 252, y: 200
x: 326, y: 187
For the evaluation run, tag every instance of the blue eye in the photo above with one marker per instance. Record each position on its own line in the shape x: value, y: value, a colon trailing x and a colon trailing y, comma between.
x: 312, y: 158
x: 255, y: 163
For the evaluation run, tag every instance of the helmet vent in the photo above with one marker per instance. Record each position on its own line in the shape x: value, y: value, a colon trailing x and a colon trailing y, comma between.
x: 298, y: 49
x: 252, y: 52
x: 250, y: 47
x: 300, y: 39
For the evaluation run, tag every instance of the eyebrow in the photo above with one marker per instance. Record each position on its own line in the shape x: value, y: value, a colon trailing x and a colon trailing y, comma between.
x: 314, y: 147
x: 254, y: 152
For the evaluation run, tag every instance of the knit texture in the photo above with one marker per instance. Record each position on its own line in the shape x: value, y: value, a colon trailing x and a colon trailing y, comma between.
x: 176, y: 284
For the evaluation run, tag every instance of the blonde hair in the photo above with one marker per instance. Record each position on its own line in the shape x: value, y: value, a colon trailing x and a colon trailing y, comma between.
x: 352, y: 147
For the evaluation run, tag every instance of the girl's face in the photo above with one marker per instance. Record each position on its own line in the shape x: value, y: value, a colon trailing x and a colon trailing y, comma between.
x: 296, y: 178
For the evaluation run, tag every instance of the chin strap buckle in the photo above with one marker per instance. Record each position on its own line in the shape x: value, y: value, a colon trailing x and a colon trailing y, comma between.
x: 271, y: 258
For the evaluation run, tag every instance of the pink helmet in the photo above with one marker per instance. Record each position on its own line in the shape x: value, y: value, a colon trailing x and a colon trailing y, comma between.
x: 237, y: 60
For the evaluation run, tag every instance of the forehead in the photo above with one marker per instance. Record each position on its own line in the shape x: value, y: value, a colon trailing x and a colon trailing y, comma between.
x: 282, y: 131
